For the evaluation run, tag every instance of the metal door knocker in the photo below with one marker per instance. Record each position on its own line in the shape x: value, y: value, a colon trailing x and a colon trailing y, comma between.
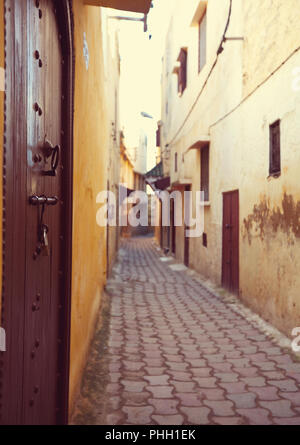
x: 54, y: 153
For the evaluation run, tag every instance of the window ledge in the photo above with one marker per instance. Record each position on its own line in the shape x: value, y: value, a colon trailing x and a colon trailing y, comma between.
x: 181, y: 93
x: 141, y: 6
x: 206, y: 203
x: 202, y: 68
x: 274, y: 176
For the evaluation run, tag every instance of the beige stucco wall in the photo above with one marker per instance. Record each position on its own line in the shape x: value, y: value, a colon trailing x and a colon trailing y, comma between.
x: 235, y: 110
x: 271, y: 29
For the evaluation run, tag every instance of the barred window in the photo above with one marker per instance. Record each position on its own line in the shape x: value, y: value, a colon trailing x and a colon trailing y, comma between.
x: 182, y: 74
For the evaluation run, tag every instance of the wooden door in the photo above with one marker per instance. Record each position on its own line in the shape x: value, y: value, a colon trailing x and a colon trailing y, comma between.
x: 230, y: 266
x: 186, y: 228
x: 38, y: 204
x: 173, y: 227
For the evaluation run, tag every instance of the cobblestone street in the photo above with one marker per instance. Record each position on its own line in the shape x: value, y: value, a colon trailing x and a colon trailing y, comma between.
x: 177, y: 354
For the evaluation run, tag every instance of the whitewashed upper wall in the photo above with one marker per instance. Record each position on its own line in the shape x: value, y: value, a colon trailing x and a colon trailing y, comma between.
x: 272, y: 33
x: 227, y: 78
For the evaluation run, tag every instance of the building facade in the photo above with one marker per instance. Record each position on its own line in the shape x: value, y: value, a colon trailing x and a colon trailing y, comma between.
x: 230, y: 128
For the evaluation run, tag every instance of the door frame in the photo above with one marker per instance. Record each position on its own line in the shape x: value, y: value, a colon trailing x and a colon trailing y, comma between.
x: 161, y: 235
x: 15, y: 199
x: 231, y: 192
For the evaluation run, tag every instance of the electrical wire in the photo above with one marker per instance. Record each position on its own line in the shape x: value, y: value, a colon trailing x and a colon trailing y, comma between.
x: 256, y: 88
x: 220, y: 49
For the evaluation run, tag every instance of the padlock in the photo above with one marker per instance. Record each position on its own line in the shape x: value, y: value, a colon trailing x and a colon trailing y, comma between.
x: 45, y: 243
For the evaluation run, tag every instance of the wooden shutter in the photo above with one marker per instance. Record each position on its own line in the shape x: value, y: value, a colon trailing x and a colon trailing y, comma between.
x: 275, y: 156
x: 184, y: 71
x: 202, y: 43
x: 205, y: 172
x: 158, y: 137
x: 182, y: 74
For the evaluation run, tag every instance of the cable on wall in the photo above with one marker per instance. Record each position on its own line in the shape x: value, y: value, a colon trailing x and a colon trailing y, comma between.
x: 220, y: 50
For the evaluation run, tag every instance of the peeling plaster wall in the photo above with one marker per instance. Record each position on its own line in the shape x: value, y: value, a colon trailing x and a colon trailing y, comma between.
x: 270, y: 211
x: 237, y: 119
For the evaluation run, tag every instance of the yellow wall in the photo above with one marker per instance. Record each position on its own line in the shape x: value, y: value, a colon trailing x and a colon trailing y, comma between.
x: 91, y: 140
x: 112, y: 72
x: 127, y: 173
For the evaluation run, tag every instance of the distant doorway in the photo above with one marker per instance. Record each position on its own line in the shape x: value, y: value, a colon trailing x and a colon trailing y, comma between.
x: 186, y: 228
x: 173, y: 228
x: 230, y: 261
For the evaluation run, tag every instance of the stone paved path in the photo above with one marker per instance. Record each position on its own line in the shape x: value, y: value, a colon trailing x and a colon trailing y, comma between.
x: 177, y: 354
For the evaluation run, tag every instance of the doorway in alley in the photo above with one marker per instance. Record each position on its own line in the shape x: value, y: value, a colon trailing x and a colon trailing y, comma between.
x: 186, y: 228
x: 37, y: 212
x: 230, y: 261
x: 173, y: 228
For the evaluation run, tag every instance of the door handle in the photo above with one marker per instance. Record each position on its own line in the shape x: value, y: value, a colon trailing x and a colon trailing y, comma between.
x: 54, y: 152
x: 43, y: 200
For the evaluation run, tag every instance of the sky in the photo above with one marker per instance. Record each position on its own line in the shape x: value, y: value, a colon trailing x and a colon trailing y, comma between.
x: 141, y: 58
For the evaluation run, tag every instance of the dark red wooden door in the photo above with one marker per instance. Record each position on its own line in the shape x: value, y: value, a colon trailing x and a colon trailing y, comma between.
x: 36, y: 357
x: 173, y: 227
x: 230, y: 266
x: 186, y: 228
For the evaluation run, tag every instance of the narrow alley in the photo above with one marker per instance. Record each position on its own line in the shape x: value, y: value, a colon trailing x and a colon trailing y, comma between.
x: 150, y: 213
x: 176, y: 354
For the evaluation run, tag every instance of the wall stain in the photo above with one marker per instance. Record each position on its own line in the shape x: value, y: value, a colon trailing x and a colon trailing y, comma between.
x: 268, y: 221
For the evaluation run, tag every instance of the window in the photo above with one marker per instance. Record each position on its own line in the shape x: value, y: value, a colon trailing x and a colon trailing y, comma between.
x: 176, y: 162
x: 205, y: 172
x: 182, y: 72
x: 158, y: 136
x: 202, y: 43
x: 116, y: 116
x: 275, y: 157
x: 204, y: 240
